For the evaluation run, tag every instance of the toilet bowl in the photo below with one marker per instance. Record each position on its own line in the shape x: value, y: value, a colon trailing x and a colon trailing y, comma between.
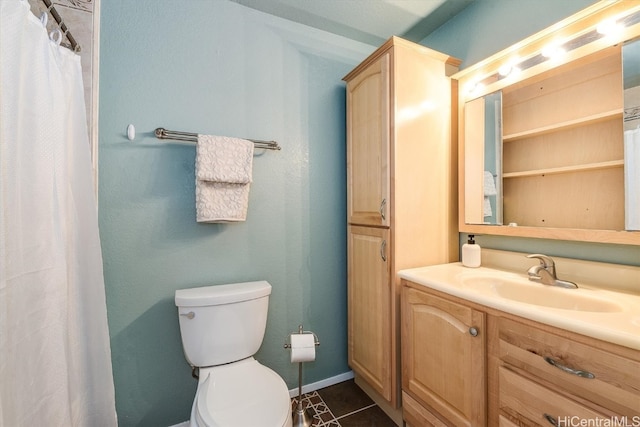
x: 244, y: 393
x: 222, y: 327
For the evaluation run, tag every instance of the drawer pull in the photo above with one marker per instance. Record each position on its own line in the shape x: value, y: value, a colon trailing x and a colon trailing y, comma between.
x: 551, y: 420
x: 382, y: 206
x: 383, y: 250
x: 473, y: 331
x: 578, y: 372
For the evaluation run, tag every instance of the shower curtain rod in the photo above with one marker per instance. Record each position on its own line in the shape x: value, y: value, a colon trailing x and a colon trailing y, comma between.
x: 162, y: 133
x: 63, y: 27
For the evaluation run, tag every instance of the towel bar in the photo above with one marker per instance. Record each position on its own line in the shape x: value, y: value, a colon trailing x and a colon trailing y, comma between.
x: 162, y: 133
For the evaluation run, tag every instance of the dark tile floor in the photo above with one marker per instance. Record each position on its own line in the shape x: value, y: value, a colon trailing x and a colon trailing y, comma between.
x: 343, y: 405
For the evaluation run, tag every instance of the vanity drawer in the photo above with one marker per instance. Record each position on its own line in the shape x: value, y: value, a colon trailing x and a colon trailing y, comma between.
x: 604, y: 378
x: 533, y: 404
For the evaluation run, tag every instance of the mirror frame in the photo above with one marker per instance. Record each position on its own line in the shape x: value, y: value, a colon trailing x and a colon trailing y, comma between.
x: 481, y: 79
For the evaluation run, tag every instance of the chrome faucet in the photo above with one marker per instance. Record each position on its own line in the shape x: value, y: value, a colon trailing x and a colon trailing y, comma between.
x: 545, y: 273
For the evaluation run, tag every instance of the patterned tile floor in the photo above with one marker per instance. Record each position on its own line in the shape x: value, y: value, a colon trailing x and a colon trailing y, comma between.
x: 343, y: 405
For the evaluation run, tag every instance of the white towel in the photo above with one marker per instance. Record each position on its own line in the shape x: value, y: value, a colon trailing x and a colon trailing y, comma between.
x: 489, y: 189
x: 632, y: 179
x: 486, y: 207
x: 489, y: 184
x: 223, y: 178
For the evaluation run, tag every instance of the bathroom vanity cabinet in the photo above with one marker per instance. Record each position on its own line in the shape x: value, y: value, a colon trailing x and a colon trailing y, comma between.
x: 401, y: 183
x: 509, y: 371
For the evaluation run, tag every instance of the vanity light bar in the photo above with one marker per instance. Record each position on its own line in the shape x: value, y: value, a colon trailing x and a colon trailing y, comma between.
x: 553, y: 51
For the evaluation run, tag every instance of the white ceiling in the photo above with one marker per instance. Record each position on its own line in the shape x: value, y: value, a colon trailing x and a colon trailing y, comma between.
x: 368, y: 21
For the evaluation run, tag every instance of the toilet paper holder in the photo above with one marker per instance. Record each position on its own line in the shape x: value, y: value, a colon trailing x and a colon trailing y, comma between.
x: 301, y: 417
x: 301, y: 330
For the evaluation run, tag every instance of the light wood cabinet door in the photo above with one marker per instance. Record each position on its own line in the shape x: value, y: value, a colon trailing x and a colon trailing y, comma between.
x: 368, y: 145
x: 443, y: 355
x: 369, y: 305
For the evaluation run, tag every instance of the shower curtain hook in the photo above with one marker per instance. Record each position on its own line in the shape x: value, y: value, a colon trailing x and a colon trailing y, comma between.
x: 56, y: 36
x: 44, y: 18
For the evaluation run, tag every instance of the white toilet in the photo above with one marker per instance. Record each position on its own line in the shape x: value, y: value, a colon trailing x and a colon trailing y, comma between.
x: 222, y: 327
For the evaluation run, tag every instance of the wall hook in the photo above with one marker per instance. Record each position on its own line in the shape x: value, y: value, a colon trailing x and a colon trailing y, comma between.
x: 131, y: 132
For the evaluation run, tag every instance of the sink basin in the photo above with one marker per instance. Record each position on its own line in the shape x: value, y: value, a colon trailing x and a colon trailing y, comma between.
x: 542, y: 295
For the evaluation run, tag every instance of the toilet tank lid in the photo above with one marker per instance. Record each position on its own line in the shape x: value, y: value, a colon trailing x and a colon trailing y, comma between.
x: 222, y: 294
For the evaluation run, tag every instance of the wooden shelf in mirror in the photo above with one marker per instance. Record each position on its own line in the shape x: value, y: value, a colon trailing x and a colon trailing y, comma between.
x: 594, y: 145
x: 566, y: 169
x: 581, y: 121
x: 589, y: 200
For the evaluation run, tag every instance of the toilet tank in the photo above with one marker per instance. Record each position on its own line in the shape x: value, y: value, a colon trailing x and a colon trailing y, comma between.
x: 223, y: 323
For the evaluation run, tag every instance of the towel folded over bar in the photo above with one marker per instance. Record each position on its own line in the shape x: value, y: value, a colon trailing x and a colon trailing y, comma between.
x: 489, y: 188
x: 223, y: 178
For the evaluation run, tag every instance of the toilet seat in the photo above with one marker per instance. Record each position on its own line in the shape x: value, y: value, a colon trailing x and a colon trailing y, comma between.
x: 242, y: 394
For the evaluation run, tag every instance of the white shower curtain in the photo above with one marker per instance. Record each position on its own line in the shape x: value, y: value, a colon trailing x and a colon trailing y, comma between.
x: 55, y: 361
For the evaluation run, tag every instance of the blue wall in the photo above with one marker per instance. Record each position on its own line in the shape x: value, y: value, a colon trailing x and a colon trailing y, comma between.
x: 218, y: 67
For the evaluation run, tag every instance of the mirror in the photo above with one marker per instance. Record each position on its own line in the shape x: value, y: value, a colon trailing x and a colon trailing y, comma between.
x: 483, y: 120
x: 549, y: 150
x: 631, y: 83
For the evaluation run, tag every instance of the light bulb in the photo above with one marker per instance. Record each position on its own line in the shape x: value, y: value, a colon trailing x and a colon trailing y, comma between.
x: 609, y: 27
x: 553, y: 51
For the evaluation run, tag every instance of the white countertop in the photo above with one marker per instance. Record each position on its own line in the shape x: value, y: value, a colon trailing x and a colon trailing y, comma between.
x: 619, y: 327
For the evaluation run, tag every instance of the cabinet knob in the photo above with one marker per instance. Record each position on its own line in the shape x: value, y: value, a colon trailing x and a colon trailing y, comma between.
x: 473, y: 331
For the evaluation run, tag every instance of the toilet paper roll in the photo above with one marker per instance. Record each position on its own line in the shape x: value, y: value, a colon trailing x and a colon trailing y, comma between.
x: 303, y: 348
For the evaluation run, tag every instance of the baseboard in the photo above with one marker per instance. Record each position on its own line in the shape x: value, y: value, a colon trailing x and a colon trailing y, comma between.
x: 322, y: 383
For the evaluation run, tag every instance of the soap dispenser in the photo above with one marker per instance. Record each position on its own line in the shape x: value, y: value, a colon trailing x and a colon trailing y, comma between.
x: 471, y: 253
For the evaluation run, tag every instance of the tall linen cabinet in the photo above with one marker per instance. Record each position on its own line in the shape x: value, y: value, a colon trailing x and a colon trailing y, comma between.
x: 401, y: 196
